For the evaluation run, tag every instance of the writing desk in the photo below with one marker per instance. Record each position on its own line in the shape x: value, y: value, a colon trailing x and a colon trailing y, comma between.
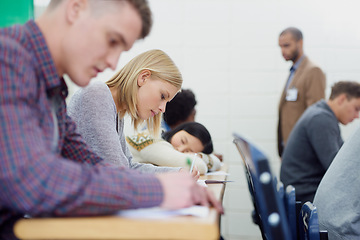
x: 115, y: 227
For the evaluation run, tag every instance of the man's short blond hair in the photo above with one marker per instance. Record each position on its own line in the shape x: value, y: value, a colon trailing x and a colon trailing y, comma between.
x: 141, y: 6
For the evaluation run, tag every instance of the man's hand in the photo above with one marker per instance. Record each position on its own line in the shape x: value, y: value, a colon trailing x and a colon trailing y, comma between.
x: 181, y: 190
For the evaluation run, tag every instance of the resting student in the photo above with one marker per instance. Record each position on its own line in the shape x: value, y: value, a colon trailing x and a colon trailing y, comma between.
x: 179, y: 110
x: 46, y: 167
x: 176, y: 148
x: 151, y: 79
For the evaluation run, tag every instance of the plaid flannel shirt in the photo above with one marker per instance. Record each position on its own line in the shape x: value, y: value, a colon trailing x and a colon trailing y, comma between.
x: 47, y: 170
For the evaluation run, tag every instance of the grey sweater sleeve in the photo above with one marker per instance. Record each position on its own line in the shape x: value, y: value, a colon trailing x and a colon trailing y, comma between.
x: 93, y: 109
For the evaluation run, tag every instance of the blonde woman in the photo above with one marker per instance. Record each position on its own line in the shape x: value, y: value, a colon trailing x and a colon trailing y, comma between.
x: 140, y: 89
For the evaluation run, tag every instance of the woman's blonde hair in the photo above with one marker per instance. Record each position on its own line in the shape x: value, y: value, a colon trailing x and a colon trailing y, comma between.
x: 125, y: 82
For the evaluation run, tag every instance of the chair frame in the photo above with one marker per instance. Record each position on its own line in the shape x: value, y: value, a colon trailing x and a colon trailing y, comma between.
x: 262, y: 187
x: 309, y: 223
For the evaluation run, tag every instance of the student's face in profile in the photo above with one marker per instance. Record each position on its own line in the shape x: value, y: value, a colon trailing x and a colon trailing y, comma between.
x: 95, y: 42
x: 153, y: 94
x: 290, y: 48
x: 186, y: 143
x: 349, y: 110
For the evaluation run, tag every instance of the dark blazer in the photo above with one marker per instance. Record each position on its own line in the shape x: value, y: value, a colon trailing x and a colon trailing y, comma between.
x: 310, y: 82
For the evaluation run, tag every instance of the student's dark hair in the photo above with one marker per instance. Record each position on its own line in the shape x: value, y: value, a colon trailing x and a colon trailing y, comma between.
x: 350, y: 88
x: 180, y: 107
x: 295, y: 32
x: 195, y: 129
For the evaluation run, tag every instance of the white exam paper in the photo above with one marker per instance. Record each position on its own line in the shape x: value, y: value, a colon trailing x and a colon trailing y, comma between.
x: 217, y: 173
x: 160, y: 213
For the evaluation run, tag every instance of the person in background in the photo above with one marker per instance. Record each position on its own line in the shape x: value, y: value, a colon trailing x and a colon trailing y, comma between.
x: 177, y: 148
x: 337, y: 197
x: 180, y: 109
x: 316, y: 139
x: 46, y: 167
x: 305, y: 85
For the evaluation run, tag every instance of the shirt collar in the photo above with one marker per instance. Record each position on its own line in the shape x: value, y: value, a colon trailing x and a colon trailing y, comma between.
x: 297, y: 64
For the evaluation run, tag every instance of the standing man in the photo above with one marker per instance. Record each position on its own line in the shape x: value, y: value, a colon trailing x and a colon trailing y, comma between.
x: 316, y: 139
x: 46, y: 169
x: 305, y: 85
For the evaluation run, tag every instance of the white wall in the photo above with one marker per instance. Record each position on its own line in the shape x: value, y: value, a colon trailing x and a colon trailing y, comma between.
x: 228, y: 54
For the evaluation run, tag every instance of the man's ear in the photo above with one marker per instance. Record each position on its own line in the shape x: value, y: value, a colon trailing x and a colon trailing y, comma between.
x: 299, y: 43
x: 74, y: 8
x: 341, y: 99
x: 143, y: 77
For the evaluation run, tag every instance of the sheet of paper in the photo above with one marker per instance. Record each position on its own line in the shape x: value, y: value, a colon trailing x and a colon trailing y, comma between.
x: 201, y: 182
x: 160, y: 213
x: 217, y: 173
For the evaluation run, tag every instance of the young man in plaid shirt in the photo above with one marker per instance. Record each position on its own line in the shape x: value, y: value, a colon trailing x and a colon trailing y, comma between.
x: 46, y: 169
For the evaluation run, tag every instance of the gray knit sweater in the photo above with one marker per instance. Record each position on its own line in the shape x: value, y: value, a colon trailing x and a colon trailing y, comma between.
x: 94, y: 111
x: 338, y: 196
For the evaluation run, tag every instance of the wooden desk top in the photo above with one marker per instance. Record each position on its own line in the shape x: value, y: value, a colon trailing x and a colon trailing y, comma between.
x: 115, y: 227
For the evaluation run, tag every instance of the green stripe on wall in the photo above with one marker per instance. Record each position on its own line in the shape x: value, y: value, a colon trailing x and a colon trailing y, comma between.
x: 15, y: 11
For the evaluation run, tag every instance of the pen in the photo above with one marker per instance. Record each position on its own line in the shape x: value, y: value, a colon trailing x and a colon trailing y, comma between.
x: 210, y: 181
x: 192, y: 164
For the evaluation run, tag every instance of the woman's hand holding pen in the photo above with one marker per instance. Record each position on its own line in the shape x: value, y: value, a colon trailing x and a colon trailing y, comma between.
x: 193, y: 169
x: 194, y: 173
